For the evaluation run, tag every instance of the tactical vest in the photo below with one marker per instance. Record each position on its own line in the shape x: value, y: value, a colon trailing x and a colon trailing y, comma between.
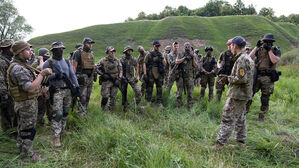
x: 111, y: 66
x: 153, y: 64
x: 140, y: 64
x: 87, y: 60
x: 209, y: 63
x: 17, y: 93
x: 263, y: 61
x: 128, y: 67
x: 228, y: 62
x: 188, y: 64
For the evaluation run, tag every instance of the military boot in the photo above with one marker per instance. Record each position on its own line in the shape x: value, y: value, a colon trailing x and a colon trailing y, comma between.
x: 261, y: 117
x: 56, y: 142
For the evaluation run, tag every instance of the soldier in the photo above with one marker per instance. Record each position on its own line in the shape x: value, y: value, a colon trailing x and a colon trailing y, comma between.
x: 165, y: 55
x: 239, y: 92
x: 44, y: 99
x: 8, y: 116
x: 140, y: 68
x: 24, y: 86
x: 129, y: 64
x: 77, y: 47
x: 247, y: 49
x: 61, y: 82
x: 84, y: 66
x: 110, y: 69
x: 186, y: 63
x: 173, y: 72
x: 32, y: 58
x: 208, y: 70
x: 196, y: 70
x: 153, y: 68
x: 225, y: 64
x: 266, y: 57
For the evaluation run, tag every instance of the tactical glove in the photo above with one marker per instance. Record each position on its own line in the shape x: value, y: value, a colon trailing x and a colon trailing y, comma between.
x: 259, y: 43
x: 46, y: 72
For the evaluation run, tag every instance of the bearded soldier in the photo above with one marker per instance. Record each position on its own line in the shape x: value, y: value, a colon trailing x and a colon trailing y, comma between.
x: 153, y: 68
x: 186, y: 63
x: 140, y: 68
x: 8, y: 116
x: 239, y: 92
x: 266, y: 57
x: 84, y: 66
x: 110, y: 69
x: 24, y: 86
x: 208, y: 70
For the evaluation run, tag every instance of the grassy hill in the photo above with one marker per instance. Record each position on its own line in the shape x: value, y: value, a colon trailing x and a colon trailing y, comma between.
x: 173, y: 137
x: 213, y: 31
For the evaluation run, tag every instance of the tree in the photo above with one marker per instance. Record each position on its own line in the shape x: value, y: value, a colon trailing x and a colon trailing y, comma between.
x: 294, y: 18
x: 12, y: 25
x: 267, y: 12
x: 141, y: 16
x: 250, y: 10
x: 227, y: 9
x: 239, y: 7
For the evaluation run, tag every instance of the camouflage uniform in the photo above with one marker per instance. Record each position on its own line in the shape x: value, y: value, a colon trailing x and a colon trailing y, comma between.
x: 165, y: 55
x: 239, y: 92
x: 152, y: 61
x: 196, y: 70
x: 113, y: 67
x: 173, y: 72
x: 140, y: 65
x: 8, y: 115
x: 129, y: 64
x: 86, y: 74
x: 185, y: 79
x: 227, y: 60
x: 207, y: 64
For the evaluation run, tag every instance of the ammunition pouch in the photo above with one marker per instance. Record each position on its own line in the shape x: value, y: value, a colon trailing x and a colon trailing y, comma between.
x: 274, y: 75
x: 82, y: 79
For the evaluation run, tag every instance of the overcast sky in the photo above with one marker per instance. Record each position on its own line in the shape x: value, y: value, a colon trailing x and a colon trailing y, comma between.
x: 54, y: 16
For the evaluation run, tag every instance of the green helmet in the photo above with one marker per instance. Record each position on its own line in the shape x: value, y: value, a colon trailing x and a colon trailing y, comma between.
x: 6, y: 43
x: 127, y: 48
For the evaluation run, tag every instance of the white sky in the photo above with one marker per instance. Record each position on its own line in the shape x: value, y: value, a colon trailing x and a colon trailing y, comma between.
x: 54, y: 16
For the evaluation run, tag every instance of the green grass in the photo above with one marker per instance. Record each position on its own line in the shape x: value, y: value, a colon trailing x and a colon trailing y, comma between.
x: 170, y: 137
x: 290, y: 57
x: 214, y: 30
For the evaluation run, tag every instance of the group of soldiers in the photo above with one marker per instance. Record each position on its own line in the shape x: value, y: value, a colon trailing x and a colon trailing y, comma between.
x: 31, y: 87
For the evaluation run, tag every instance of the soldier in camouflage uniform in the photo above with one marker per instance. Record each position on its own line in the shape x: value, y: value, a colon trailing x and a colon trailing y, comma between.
x: 110, y: 69
x: 186, y: 64
x: 44, y: 99
x: 140, y: 68
x: 153, y: 68
x: 266, y: 57
x: 173, y: 72
x: 165, y: 54
x: 208, y: 70
x: 196, y: 70
x: 77, y: 47
x: 84, y: 66
x: 225, y: 64
x: 61, y: 97
x: 129, y: 66
x: 8, y: 116
x: 24, y: 86
x: 239, y: 92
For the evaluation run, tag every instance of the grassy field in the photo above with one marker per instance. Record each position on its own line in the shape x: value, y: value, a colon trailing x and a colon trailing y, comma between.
x: 214, y: 31
x: 173, y: 137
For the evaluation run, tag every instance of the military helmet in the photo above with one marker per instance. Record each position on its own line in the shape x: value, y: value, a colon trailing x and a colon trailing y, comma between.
x: 208, y: 48
x: 109, y: 48
x: 6, y: 43
x: 57, y: 44
x: 196, y: 50
x: 268, y: 37
x: 78, y: 45
x: 187, y: 43
x: 167, y: 48
x: 42, y: 51
x: 19, y: 46
x: 88, y: 40
x: 127, y: 48
x: 156, y: 43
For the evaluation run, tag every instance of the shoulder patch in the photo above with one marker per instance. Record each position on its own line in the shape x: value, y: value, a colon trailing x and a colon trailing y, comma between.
x: 241, y: 72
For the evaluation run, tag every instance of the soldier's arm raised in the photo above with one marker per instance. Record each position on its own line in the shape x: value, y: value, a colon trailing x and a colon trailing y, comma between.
x: 274, y: 59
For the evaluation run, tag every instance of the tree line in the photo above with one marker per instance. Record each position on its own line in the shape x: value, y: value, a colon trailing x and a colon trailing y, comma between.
x: 218, y: 8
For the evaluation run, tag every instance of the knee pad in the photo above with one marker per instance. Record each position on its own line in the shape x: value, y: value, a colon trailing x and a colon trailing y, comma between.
x: 29, y: 133
x: 58, y: 115
x: 104, y: 101
x: 65, y: 112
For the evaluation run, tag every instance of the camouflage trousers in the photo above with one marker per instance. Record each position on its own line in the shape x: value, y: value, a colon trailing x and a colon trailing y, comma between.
x: 171, y: 79
x: 108, y: 90
x: 85, y: 92
x: 233, y: 117
x: 7, y: 114
x: 188, y: 83
x: 27, y: 116
x: 143, y: 87
x: 44, y: 107
x: 204, y: 81
x: 61, y: 103
x: 219, y: 88
x: 150, y: 86
x: 134, y: 84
